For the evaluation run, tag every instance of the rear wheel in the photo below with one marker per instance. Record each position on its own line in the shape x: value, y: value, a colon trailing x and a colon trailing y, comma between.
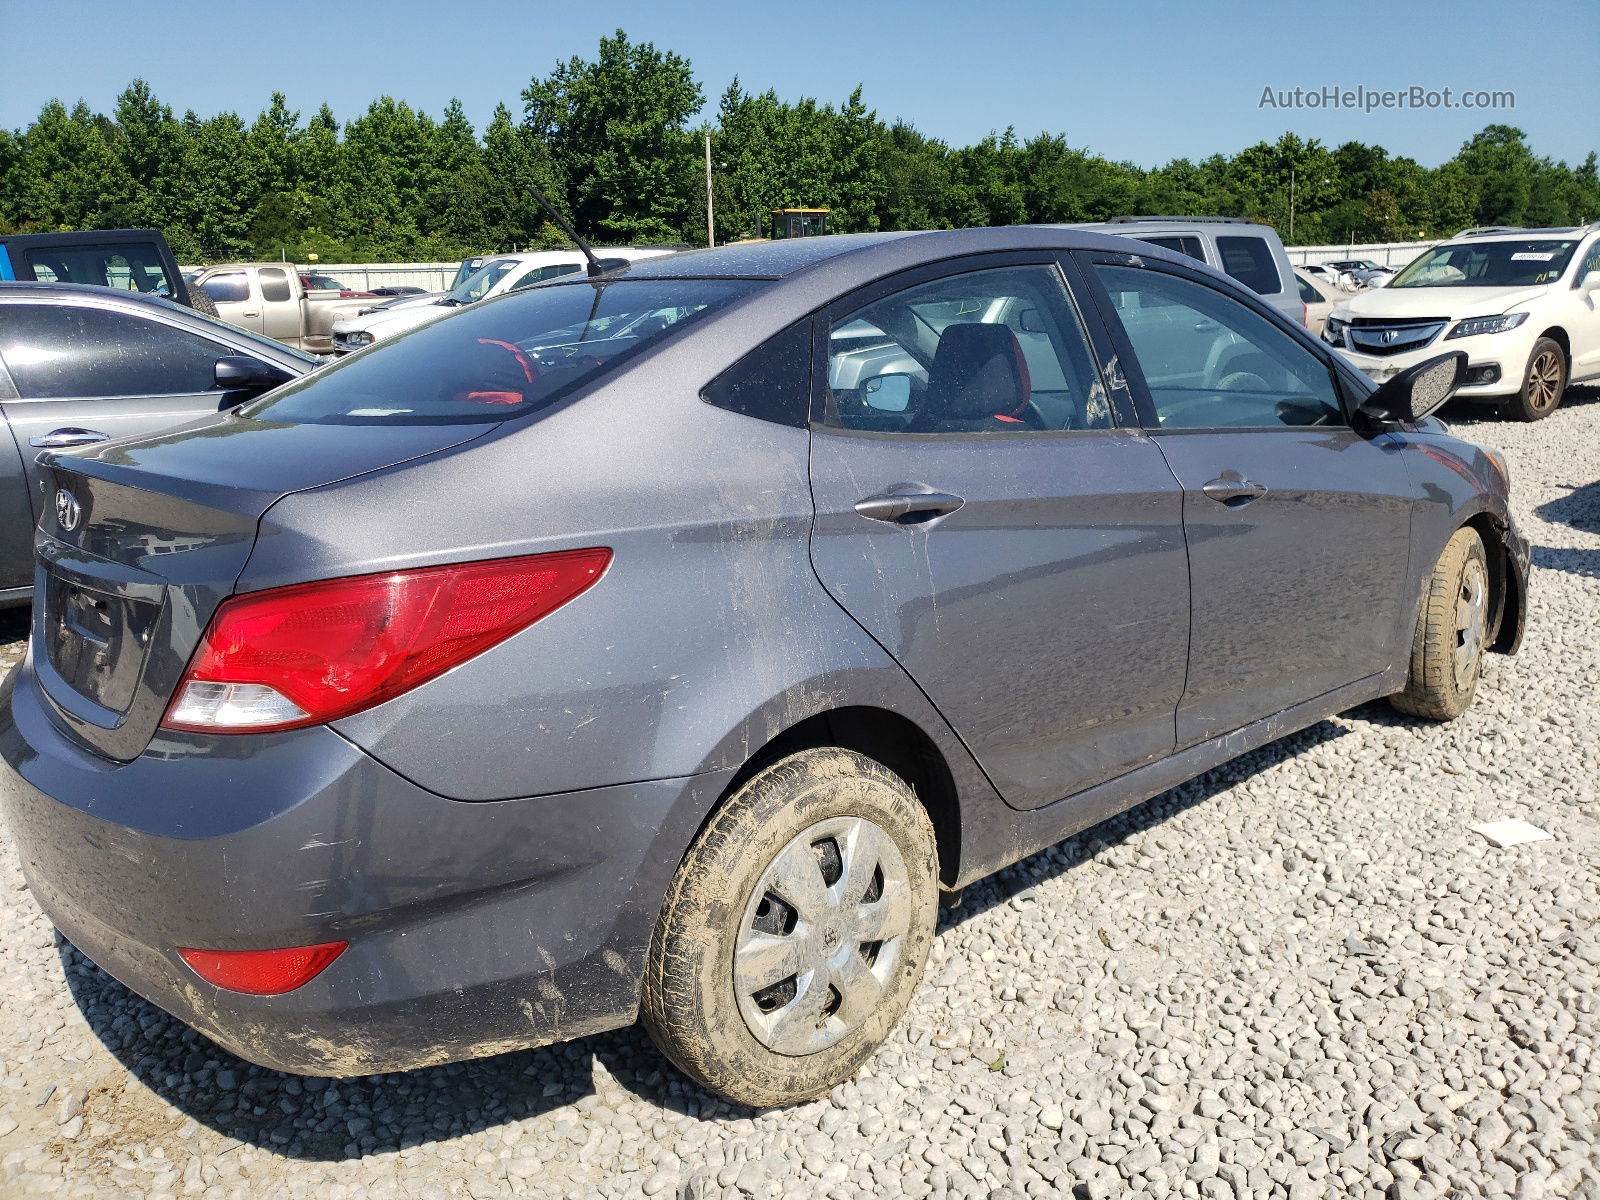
x: 1542, y: 383
x: 1452, y: 633
x: 796, y: 930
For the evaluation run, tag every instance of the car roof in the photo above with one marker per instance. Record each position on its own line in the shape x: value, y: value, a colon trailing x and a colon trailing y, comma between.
x: 19, y: 289
x: 867, y: 251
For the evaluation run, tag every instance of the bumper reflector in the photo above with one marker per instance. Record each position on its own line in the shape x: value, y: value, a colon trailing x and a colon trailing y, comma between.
x: 262, y: 972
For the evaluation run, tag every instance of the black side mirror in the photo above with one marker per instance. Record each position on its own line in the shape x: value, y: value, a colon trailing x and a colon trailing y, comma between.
x: 1417, y: 391
x: 237, y: 373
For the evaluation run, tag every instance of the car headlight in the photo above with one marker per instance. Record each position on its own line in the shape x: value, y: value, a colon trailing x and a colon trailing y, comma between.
x: 1333, y: 331
x: 359, y: 338
x: 1473, y: 326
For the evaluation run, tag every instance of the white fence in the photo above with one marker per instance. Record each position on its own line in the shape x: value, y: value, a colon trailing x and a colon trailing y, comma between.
x: 1385, y: 254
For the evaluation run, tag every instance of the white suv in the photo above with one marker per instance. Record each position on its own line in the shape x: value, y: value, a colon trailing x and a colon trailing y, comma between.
x: 499, y: 274
x: 1523, y: 303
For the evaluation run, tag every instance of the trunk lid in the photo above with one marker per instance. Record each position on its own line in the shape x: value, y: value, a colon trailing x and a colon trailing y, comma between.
x: 144, y: 537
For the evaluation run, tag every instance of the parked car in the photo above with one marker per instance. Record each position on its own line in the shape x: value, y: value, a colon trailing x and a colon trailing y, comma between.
x: 501, y: 274
x: 393, y: 302
x: 128, y: 260
x: 1522, y: 304
x: 327, y: 283
x: 1362, y: 272
x: 272, y: 299
x: 1318, y: 299
x: 81, y: 364
x: 1252, y: 254
x: 663, y: 643
x: 1321, y: 272
x: 396, y: 289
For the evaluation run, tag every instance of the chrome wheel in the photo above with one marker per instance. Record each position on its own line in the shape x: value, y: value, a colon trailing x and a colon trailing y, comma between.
x: 1544, y: 381
x: 821, y: 936
x: 1472, y: 619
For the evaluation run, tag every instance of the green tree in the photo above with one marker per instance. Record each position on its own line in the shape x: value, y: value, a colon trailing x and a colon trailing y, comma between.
x: 617, y: 129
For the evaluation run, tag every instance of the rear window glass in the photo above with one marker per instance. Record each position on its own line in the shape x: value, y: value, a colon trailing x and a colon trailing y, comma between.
x: 1183, y: 244
x: 501, y: 359
x: 1250, y: 261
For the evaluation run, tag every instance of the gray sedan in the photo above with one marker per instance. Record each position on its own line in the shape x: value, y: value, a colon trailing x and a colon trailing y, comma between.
x: 82, y: 364
x: 661, y: 644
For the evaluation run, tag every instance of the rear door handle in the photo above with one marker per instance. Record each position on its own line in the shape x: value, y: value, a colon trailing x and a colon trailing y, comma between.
x: 60, y: 439
x: 1233, y: 489
x: 907, y: 506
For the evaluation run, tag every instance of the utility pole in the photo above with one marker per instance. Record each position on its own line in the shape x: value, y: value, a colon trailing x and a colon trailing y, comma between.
x: 1291, y: 206
x: 711, y: 217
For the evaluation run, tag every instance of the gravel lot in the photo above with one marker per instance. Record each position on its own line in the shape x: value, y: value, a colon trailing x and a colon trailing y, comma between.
x: 1299, y: 976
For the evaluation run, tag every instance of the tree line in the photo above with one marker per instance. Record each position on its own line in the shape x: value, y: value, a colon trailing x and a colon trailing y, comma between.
x: 613, y: 139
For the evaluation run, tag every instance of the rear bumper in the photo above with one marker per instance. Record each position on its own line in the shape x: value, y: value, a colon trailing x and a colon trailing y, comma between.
x: 473, y: 927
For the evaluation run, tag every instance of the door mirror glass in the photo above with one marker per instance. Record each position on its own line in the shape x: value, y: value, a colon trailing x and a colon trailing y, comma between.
x: 1418, y: 391
x: 887, y: 393
x: 236, y: 372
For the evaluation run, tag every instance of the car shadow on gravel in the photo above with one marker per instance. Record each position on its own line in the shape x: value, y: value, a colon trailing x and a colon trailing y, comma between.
x: 14, y: 624
x: 1006, y: 884
x: 1580, y: 509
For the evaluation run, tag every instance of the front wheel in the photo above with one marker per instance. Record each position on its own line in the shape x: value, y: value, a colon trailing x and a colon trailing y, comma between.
x: 796, y: 930
x: 1542, y: 382
x: 1452, y: 633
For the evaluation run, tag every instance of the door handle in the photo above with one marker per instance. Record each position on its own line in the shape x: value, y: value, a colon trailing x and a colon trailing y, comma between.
x: 60, y: 439
x: 902, y: 505
x: 250, y: 314
x: 1233, y: 489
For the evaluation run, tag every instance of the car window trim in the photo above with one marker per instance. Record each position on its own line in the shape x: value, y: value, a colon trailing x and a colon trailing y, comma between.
x: 1348, y: 398
x: 965, y: 264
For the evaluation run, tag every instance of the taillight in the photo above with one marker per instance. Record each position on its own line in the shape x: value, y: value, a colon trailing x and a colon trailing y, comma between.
x: 315, y: 652
x: 262, y: 972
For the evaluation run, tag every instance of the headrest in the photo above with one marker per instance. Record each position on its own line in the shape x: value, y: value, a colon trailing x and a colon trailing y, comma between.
x: 978, y: 371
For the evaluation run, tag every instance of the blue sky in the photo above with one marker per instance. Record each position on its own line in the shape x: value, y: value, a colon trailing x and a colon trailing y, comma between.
x: 1141, y: 82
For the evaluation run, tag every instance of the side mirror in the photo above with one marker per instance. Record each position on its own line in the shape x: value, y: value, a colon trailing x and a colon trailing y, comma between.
x: 887, y: 393
x: 1417, y: 391
x: 1590, y: 282
x: 237, y: 373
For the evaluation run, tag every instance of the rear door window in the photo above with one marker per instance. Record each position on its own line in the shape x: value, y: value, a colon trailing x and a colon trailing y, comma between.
x: 274, y: 284
x: 1182, y: 243
x: 56, y: 351
x: 1251, y: 262
x: 502, y: 359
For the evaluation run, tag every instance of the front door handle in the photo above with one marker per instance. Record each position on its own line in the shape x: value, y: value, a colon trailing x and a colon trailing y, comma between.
x: 908, y: 504
x: 60, y: 439
x: 1233, y: 489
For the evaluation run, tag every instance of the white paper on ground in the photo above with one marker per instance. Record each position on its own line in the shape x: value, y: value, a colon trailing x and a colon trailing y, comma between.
x: 1511, y: 832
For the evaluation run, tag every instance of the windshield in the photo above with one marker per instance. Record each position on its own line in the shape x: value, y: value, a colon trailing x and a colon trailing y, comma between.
x: 514, y: 355
x: 476, y: 286
x: 1488, y: 264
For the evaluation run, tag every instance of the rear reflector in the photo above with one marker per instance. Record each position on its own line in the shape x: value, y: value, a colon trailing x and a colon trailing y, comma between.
x: 262, y: 972
x: 315, y: 652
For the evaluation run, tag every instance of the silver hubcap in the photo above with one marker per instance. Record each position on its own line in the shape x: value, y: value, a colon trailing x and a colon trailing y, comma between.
x: 1472, y: 610
x: 821, y: 937
x: 1544, y: 378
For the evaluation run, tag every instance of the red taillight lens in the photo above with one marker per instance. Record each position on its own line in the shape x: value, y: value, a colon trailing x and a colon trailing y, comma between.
x: 314, y: 652
x: 262, y: 972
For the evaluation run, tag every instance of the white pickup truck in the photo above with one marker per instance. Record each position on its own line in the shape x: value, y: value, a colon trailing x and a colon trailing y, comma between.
x: 269, y: 298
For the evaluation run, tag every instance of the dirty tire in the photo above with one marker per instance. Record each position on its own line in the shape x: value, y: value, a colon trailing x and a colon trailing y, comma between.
x: 200, y: 300
x: 692, y: 1006
x: 1452, y: 633
x: 1543, y: 381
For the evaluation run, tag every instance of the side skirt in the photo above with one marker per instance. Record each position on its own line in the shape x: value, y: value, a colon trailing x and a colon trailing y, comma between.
x: 1035, y: 829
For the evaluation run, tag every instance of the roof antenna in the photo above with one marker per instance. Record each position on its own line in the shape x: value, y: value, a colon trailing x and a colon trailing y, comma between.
x: 594, y: 263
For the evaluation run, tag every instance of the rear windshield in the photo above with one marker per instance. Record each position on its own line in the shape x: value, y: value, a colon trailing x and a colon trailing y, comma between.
x: 1488, y: 264
x: 500, y: 359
